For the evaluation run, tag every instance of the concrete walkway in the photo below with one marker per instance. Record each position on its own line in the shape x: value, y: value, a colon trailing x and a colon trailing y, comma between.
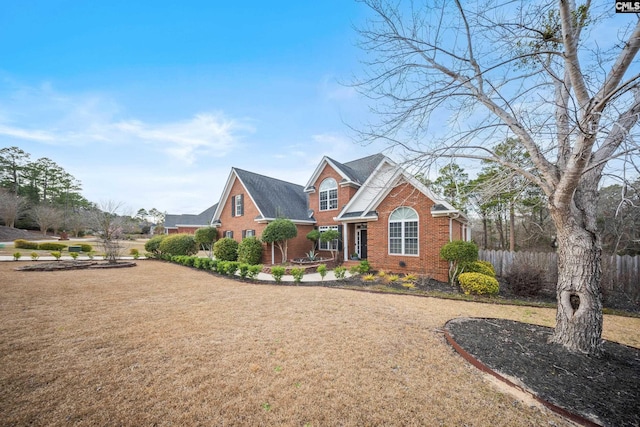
x: 310, y: 277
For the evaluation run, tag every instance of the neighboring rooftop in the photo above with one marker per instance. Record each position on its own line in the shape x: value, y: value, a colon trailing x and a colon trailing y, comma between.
x: 201, y: 219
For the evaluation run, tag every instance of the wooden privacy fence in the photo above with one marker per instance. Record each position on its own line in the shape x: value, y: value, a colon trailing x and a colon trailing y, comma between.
x: 620, y: 273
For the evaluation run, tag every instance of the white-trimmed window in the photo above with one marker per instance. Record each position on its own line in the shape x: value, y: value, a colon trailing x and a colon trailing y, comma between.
x: 328, y: 246
x: 248, y: 233
x: 403, y: 232
x: 328, y: 194
x: 228, y: 234
x: 237, y: 205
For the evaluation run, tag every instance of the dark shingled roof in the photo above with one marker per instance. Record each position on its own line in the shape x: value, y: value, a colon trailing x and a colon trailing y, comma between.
x: 359, y: 170
x: 275, y: 198
x: 203, y: 218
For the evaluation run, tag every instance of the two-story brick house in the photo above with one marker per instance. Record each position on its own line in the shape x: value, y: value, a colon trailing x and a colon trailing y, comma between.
x: 383, y: 214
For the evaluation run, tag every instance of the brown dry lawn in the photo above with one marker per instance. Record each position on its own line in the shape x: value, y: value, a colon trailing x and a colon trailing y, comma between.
x: 160, y: 344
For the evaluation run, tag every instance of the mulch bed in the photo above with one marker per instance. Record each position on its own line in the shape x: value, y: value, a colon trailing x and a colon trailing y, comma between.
x: 73, y: 265
x: 602, y: 390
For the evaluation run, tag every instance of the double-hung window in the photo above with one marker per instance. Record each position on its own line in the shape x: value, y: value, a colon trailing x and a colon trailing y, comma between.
x: 328, y: 194
x: 331, y: 245
x: 237, y: 205
x: 403, y: 232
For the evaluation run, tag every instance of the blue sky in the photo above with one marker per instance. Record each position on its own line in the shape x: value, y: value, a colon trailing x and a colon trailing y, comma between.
x: 151, y: 103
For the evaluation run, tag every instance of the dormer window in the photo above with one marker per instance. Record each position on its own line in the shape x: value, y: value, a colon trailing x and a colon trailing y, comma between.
x: 328, y: 194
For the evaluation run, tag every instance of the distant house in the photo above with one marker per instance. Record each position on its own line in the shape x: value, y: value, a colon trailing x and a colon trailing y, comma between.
x: 188, y: 223
x: 383, y: 214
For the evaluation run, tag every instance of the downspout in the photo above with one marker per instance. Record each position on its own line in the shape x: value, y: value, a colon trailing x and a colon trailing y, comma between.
x: 272, y: 254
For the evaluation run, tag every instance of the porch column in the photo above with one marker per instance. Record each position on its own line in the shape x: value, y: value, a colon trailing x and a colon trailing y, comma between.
x: 345, y: 241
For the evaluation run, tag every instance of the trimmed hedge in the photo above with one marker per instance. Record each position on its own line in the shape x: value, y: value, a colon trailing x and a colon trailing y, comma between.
x: 226, y: 249
x: 179, y: 244
x: 478, y: 284
x: 85, y: 247
x: 250, y: 250
x: 153, y: 244
x: 24, y: 244
x: 482, y: 267
x: 49, y: 246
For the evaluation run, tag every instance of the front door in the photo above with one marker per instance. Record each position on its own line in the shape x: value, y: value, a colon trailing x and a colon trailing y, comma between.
x: 363, y: 244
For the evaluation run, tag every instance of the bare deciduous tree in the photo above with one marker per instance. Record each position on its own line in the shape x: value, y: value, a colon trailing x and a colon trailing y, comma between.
x: 108, y: 225
x: 47, y: 216
x: 11, y: 205
x: 450, y: 81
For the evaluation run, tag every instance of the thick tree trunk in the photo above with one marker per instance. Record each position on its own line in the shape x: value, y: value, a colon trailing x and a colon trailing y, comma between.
x: 579, y: 313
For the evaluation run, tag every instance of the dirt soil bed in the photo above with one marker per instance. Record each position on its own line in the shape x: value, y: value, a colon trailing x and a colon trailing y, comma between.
x: 73, y: 265
x: 162, y: 344
x: 603, y: 390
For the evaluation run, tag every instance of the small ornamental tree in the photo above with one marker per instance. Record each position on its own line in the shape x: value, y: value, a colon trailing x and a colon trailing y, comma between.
x: 206, y: 237
x: 225, y: 249
x: 328, y: 237
x: 278, y: 233
x: 458, y: 253
x: 314, y: 236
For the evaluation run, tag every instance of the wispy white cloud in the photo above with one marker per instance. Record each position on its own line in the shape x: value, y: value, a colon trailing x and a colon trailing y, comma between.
x: 40, y: 114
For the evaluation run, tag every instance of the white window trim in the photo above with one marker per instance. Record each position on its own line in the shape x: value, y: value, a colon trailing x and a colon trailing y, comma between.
x: 238, y: 205
x: 403, y: 237
x: 324, y: 246
x: 327, y: 192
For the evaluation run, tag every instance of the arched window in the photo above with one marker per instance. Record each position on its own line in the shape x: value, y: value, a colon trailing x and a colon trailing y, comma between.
x: 403, y: 232
x: 328, y: 194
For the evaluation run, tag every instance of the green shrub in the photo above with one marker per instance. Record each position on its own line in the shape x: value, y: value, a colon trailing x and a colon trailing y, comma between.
x: 227, y: 267
x: 298, y: 274
x: 16, y: 256
x: 213, y: 264
x: 364, y: 267
x: 226, y: 249
x: 340, y: 272
x: 186, y: 260
x: 153, y: 245
x: 35, y: 256
x: 478, y: 284
x: 202, y: 263
x: 56, y: 255
x: 458, y: 253
x: 277, y: 272
x: 24, y: 244
x: 250, y: 251
x: 482, y: 267
x: 135, y: 253
x: 232, y: 268
x: 50, y: 246
x: 254, y: 270
x: 322, y: 270
x: 243, y: 270
x: 179, y: 244
x: 74, y: 255
x: 85, y: 247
